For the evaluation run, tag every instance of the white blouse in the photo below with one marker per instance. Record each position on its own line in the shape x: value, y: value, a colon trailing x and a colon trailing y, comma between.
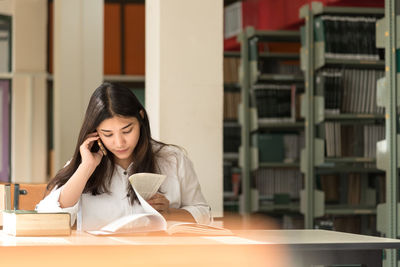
x: 181, y: 187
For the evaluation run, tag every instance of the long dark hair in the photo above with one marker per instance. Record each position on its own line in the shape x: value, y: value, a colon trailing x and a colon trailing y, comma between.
x: 107, y: 101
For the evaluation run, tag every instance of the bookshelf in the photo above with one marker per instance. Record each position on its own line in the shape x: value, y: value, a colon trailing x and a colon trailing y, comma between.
x: 343, y: 120
x: 388, y: 37
x: 21, y: 91
x: 271, y: 128
x: 124, y: 44
x: 231, y: 130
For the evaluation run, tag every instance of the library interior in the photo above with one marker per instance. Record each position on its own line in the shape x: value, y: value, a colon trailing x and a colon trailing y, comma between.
x: 287, y: 109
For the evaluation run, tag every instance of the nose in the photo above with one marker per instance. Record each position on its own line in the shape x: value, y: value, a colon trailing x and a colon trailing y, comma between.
x: 119, y: 140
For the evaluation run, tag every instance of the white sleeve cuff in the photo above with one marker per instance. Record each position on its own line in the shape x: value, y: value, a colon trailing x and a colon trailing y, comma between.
x: 51, y: 204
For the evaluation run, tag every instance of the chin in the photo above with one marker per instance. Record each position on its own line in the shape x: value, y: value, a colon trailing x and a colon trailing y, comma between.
x: 125, y: 155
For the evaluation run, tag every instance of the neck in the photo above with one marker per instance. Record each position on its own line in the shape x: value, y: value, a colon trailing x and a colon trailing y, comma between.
x: 124, y: 163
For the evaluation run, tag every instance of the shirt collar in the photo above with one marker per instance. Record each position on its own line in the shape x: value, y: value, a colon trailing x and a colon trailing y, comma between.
x: 122, y: 170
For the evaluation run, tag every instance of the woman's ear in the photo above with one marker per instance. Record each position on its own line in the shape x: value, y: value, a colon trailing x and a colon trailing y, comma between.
x: 142, y: 113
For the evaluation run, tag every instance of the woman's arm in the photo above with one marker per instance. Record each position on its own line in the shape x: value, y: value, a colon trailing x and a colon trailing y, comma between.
x: 192, y: 199
x: 73, y: 188
x: 189, y: 203
x: 178, y: 215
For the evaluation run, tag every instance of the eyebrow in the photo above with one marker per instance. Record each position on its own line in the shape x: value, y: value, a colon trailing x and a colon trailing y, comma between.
x: 108, y: 131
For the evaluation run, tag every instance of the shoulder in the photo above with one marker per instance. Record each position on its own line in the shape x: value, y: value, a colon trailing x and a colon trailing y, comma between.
x: 169, y: 154
x: 168, y: 151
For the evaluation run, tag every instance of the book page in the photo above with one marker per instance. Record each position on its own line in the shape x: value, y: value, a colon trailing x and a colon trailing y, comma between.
x: 149, y: 221
x: 146, y: 184
x: 175, y: 227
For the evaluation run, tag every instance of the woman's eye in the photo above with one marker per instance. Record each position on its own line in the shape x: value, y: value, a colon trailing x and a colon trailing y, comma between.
x: 107, y: 135
x: 126, y: 132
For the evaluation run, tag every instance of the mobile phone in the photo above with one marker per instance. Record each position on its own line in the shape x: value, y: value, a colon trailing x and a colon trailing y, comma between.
x: 102, y: 148
x: 98, y: 146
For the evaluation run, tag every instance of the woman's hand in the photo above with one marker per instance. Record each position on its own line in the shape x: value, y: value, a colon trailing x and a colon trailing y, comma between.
x: 159, y: 202
x: 90, y: 159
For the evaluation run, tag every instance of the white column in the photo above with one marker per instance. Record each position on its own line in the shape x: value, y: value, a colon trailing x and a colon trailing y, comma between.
x: 184, y: 87
x: 28, y: 111
x: 78, y: 68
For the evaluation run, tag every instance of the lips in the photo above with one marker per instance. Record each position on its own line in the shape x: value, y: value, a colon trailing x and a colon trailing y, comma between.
x: 122, y: 151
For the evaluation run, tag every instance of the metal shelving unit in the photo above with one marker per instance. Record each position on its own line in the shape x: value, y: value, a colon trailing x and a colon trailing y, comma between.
x: 230, y: 158
x: 313, y: 160
x: 388, y: 37
x: 279, y: 164
x: 252, y: 125
x: 263, y: 124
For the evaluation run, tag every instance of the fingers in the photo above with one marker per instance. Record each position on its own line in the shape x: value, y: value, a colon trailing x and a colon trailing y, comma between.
x: 159, y: 202
x: 88, y: 143
x: 92, y: 134
x: 158, y: 199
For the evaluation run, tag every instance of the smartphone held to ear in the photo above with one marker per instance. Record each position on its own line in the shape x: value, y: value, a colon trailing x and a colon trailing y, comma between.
x: 102, y: 148
x: 99, y: 145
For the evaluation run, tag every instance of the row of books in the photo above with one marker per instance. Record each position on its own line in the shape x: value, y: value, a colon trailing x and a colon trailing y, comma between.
x: 346, y: 188
x: 348, y: 37
x: 349, y: 224
x: 279, y: 67
x: 357, y: 140
x: 232, y: 179
x: 231, y: 103
x: 277, y: 181
x: 350, y: 90
x: 280, y: 147
x: 232, y: 139
x: 124, y: 37
x: 5, y: 44
x: 292, y: 222
x: 275, y: 102
x: 231, y: 69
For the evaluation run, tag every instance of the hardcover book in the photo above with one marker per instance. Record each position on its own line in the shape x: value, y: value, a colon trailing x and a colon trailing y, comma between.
x: 32, y: 223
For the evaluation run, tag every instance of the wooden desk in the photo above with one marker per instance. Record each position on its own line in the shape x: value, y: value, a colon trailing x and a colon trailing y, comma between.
x: 246, y: 248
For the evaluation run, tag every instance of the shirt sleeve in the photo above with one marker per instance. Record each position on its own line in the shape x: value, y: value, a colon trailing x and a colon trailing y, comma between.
x: 51, y: 204
x: 193, y: 200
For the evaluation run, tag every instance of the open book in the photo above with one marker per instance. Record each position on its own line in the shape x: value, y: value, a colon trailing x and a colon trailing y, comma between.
x: 151, y: 220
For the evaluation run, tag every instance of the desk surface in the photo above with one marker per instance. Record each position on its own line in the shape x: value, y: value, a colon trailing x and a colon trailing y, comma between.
x: 246, y: 248
x: 294, y: 239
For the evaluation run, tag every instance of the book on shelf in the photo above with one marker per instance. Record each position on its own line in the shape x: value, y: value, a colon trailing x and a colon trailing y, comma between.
x: 349, y: 90
x: 150, y: 221
x: 232, y: 100
x: 275, y: 102
x: 357, y: 140
x: 231, y: 70
x: 232, y: 139
x: 272, y: 181
x: 32, y: 223
x: 353, y: 189
x: 330, y: 184
x: 347, y: 37
x: 280, y: 147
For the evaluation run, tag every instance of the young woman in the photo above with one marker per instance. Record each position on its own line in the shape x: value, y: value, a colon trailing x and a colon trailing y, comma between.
x: 94, y: 188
